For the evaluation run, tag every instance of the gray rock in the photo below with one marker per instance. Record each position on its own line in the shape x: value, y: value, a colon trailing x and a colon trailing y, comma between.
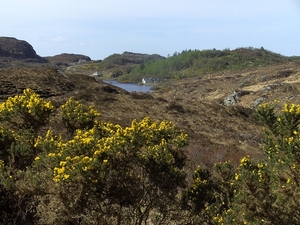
x: 231, y: 99
x: 62, y: 73
x: 258, y: 101
x: 265, y: 89
x: 268, y: 88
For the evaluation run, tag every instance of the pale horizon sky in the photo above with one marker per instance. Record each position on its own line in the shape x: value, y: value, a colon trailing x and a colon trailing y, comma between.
x: 98, y: 28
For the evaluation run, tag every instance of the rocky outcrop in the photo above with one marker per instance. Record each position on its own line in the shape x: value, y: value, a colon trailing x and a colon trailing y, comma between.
x: 13, y: 49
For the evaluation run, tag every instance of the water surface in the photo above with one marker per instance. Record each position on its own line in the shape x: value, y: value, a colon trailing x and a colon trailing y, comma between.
x: 129, y: 86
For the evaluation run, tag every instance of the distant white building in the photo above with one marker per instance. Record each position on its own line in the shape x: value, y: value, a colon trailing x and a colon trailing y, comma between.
x: 152, y: 80
x: 147, y: 80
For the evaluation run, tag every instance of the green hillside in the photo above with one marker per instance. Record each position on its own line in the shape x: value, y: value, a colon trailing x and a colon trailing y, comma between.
x: 190, y: 63
x: 115, y: 65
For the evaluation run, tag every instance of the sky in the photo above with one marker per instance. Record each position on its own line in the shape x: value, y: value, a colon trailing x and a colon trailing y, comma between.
x: 99, y: 28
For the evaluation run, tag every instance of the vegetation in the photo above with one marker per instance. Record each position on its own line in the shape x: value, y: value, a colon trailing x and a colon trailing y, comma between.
x: 191, y: 63
x: 98, y: 172
x: 66, y: 59
x: 256, y: 192
x: 127, y: 58
x: 101, y: 172
x: 114, y: 65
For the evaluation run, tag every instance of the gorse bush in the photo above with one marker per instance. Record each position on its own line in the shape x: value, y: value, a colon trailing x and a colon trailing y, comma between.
x: 103, y: 173
x: 136, y: 169
x: 210, y: 193
x: 20, y: 117
x: 267, y: 191
x: 78, y: 116
x: 27, y: 110
x: 256, y: 192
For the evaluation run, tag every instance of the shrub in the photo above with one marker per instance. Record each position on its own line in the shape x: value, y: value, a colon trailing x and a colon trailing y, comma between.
x: 210, y: 193
x: 75, y: 115
x: 256, y: 192
x: 267, y: 191
x: 108, y: 174
x: 26, y: 111
x: 20, y: 118
x: 129, y: 173
x: 103, y: 173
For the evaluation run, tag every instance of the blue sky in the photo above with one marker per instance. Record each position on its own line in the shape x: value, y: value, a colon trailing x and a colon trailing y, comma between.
x: 99, y: 28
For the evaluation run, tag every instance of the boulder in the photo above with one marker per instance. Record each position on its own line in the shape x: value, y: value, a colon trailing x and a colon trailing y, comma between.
x: 231, y: 99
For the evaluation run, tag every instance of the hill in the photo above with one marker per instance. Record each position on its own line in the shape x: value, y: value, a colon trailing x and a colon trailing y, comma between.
x: 12, y: 49
x: 16, y: 53
x: 196, y: 105
x: 216, y: 110
x: 66, y: 58
x: 114, y: 65
x: 214, y: 105
x: 52, y: 173
x: 191, y: 63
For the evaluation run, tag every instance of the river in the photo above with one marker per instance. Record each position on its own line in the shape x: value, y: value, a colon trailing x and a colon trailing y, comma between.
x: 129, y: 86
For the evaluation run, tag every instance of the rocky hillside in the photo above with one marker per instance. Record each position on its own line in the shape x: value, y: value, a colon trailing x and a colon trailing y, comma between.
x: 16, y: 53
x: 12, y: 49
x: 246, y: 88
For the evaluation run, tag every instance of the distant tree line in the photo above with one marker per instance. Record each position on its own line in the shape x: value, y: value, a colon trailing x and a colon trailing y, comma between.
x: 190, y: 63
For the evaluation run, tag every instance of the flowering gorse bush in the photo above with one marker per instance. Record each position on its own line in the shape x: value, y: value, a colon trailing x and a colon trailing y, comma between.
x: 28, y: 109
x: 210, y: 193
x: 118, y: 166
x: 104, y: 173
x: 77, y: 115
x: 100, y: 171
x: 267, y: 191
x: 256, y: 192
x: 20, y: 118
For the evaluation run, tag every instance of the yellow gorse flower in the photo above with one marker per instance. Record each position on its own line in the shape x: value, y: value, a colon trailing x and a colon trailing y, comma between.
x: 291, y: 108
x: 78, y: 115
x: 28, y: 103
x: 90, y: 150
